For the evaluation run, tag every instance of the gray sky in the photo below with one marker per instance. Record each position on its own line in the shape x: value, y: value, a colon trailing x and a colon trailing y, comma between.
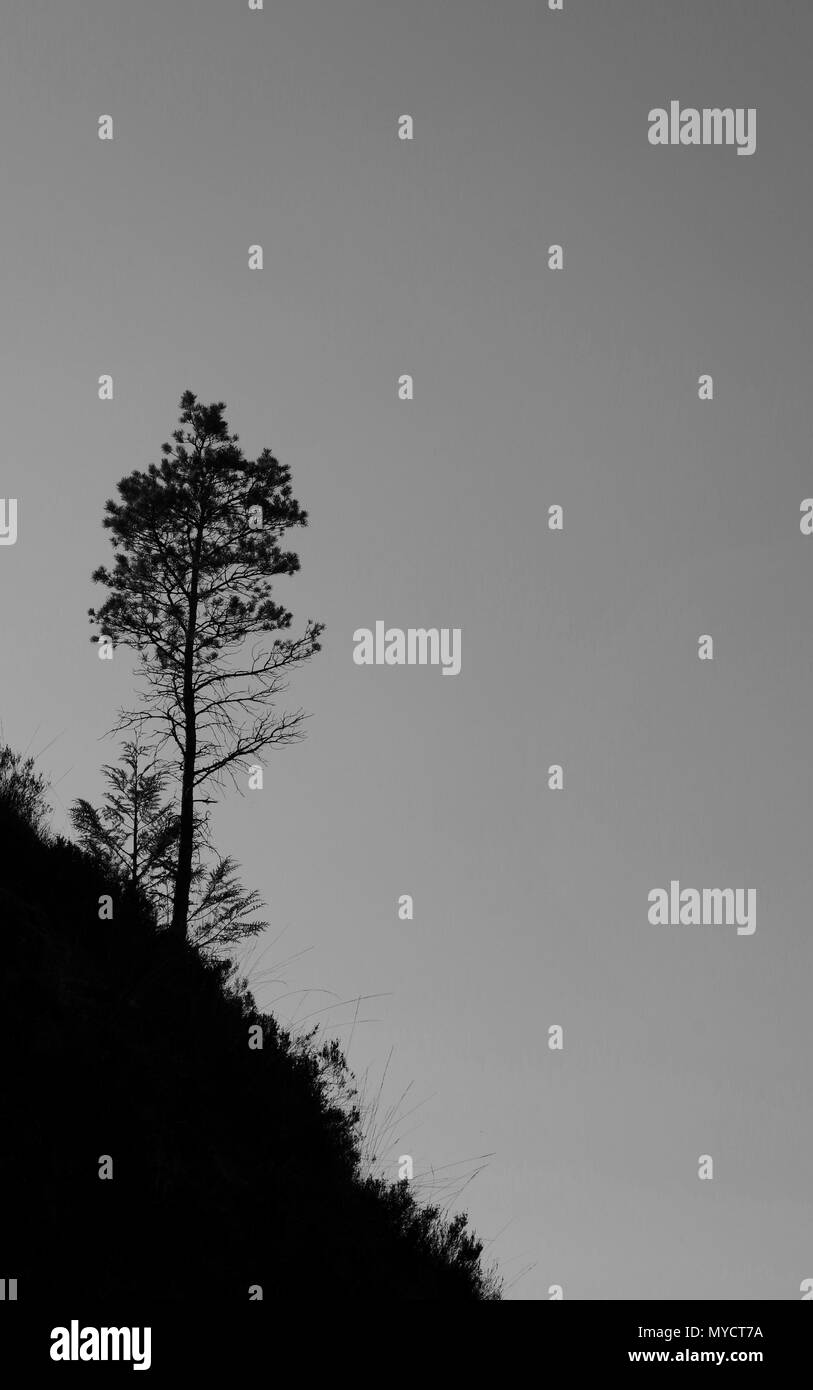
x: 532, y: 387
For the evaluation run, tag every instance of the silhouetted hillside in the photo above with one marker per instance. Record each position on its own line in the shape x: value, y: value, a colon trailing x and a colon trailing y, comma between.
x: 232, y: 1167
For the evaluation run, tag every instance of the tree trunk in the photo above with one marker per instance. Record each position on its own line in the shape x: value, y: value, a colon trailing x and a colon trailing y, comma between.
x: 134, y: 864
x: 186, y: 838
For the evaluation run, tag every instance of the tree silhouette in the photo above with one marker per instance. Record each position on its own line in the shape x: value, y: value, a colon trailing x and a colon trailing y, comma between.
x: 135, y: 828
x: 221, y: 910
x: 197, y: 540
x: 137, y: 832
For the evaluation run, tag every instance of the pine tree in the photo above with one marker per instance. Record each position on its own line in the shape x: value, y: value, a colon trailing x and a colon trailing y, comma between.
x: 197, y: 540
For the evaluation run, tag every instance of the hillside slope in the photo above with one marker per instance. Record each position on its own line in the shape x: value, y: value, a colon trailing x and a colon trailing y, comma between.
x: 232, y: 1167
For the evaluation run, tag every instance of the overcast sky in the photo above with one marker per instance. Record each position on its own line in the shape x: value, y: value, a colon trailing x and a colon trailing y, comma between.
x: 532, y: 387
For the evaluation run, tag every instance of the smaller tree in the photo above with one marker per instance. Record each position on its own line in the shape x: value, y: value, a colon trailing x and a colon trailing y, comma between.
x: 136, y: 830
x: 221, y: 909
